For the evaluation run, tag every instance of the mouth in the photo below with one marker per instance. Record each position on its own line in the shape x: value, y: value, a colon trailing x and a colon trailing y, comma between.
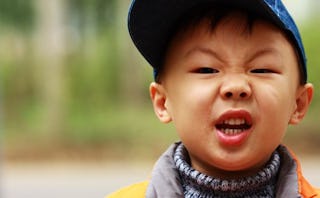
x: 234, y: 126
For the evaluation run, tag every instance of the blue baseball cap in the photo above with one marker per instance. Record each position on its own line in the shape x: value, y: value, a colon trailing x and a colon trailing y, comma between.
x: 151, y: 22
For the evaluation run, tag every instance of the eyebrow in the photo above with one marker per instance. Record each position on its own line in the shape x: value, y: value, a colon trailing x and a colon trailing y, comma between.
x: 263, y: 51
x: 209, y: 51
x: 204, y: 50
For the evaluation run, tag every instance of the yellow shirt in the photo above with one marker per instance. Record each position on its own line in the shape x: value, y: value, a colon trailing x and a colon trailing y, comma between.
x: 134, y: 191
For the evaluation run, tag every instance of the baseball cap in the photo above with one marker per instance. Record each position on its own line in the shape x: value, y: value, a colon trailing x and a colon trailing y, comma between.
x: 151, y: 22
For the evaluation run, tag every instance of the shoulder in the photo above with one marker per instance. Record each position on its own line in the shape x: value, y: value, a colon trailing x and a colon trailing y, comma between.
x: 135, y: 191
x: 307, y: 190
x: 292, y: 167
x: 318, y: 191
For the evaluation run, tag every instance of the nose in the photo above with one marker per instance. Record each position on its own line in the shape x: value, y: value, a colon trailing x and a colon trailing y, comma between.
x: 236, y: 87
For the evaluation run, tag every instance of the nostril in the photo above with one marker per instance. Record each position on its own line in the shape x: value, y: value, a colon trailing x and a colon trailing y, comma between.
x: 243, y: 95
x: 228, y: 94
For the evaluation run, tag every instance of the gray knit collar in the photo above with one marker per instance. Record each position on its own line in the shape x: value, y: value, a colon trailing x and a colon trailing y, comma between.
x: 196, y: 184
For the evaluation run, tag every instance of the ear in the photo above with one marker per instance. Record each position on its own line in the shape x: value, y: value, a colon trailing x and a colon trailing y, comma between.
x: 159, y: 101
x: 303, y: 101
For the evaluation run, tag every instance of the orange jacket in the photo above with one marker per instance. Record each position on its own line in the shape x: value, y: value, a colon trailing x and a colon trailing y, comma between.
x: 160, y: 186
x: 304, y: 188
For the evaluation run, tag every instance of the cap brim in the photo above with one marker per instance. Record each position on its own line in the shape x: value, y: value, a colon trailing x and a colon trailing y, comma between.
x: 151, y: 22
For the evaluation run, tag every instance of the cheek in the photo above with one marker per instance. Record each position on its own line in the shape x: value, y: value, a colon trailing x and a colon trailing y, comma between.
x: 277, y: 104
x: 273, y: 118
x: 192, y: 96
x: 190, y: 107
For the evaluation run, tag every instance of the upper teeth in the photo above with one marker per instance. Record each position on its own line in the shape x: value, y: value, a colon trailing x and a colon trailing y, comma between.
x: 235, y: 121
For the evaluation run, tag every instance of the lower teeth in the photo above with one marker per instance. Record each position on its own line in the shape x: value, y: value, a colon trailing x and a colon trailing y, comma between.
x: 232, y: 131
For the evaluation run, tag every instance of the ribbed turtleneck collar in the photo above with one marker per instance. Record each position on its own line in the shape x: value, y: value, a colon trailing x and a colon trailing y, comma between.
x: 196, y: 184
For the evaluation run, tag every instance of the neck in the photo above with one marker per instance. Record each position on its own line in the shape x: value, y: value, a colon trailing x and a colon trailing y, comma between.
x: 198, y: 184
x: 226, y: 174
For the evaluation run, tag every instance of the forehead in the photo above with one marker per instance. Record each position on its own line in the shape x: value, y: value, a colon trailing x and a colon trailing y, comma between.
x: 230, y: 40
x: 235, y: 29
x: 214, y: 14
x: 242, y: 22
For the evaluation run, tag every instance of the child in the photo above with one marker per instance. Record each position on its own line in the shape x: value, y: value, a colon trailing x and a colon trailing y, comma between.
x: 230, y: 75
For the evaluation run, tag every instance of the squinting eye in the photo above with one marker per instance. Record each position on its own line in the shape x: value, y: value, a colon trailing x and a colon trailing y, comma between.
x: 206, y: 70
x: 262, y: 71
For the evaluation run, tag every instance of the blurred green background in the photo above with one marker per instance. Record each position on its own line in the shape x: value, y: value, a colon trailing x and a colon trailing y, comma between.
x: 72, y: 85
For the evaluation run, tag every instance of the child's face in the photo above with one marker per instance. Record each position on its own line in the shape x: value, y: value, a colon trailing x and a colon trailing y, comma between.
x: 230, y: 94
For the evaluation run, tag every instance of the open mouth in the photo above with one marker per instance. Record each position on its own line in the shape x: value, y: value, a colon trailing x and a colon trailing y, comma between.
x: 233, y: 126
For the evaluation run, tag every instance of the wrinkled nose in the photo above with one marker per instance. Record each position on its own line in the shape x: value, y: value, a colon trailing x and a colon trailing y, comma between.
x: 236, y: 88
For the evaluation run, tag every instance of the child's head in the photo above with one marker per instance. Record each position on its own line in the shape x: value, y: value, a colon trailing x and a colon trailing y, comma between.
x: 231, y: 80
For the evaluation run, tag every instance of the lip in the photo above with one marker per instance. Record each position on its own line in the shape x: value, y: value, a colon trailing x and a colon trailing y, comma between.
x: 238, y: 138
